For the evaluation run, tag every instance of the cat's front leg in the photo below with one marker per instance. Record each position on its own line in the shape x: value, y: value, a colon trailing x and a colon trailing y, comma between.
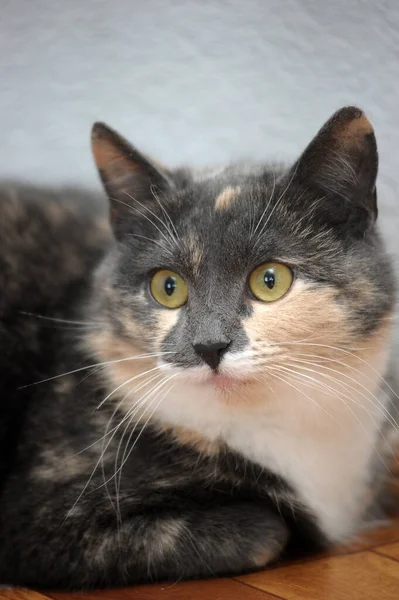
x: 205, y: 542
x: 179, y: 542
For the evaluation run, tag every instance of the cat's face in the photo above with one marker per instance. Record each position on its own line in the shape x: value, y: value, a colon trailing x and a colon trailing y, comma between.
x: 243, y: 277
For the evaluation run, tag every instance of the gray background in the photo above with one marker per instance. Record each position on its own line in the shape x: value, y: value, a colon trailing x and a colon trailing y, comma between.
x: 193, y: 81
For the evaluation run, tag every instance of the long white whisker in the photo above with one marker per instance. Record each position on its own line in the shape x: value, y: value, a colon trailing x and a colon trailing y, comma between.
x: 171, y: 240
x: 113, y: 414
x: 278, y: 202
x: 141, y: 402
x: 126, y: 382
x: 165, y: 212
x: 347, y: 352
x: 149, y: 240
x: 56, y: 320
x: 124, y: 460
x: 253, y: 231
x: 152, y: 396
x: 135, y: 389
x: 320, y: 385
x: 135, y: 210
x: 94, y: 470
x: 105, y: 363
x: 319, y: 406
x: 129, y: 416
x: 371, y: 396
x: 367, y: 434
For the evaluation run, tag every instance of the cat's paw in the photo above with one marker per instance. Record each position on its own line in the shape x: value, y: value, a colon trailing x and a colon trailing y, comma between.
x: 264, y: 556
x: 268, y: 551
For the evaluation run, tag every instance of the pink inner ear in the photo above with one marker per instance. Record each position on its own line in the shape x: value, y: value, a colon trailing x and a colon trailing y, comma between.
x: 342, y: 157
x: 351, y: 134
x: 111, y: 161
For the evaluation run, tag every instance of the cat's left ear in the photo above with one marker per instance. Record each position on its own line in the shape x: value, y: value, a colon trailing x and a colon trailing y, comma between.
x: 130, y: 179
x: 341, y: 162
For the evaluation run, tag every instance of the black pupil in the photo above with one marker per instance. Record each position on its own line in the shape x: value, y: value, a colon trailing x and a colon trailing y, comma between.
x: 269, y: 279
x: 170, y: 285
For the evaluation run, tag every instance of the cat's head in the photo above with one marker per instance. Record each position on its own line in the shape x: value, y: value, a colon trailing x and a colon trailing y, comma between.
x: 232, y: 279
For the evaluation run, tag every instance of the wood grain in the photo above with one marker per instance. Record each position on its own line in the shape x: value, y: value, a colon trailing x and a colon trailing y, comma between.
x: 21, y: 594
x: 391, y: 550
x: 218, y: 589
x: 364, y: 576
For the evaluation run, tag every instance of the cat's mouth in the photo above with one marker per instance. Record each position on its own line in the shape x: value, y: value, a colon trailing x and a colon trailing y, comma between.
x: 227, y: 383
x: 225, y: 379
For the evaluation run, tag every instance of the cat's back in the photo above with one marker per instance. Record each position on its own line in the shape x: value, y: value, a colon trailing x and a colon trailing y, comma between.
x: 50, y: 241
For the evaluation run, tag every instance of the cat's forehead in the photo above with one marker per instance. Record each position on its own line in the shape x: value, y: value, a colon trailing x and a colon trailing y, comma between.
x: 229, y: 198
x: 228, y: 223
x: 230, y: 210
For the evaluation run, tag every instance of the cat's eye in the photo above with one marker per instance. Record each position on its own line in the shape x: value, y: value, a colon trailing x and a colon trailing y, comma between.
x: 168, y: 289
x: 270, y: 281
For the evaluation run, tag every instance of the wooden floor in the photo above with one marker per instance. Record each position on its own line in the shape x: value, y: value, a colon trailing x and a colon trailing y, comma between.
x: 368, y: 570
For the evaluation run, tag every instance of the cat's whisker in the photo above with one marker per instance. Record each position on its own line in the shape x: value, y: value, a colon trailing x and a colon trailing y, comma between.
x: 100, y: 364
x: 299, y: 376
x: 93, y: 472
x: 153, y: 190
x: 348, y: 388
x: 173, y: 238
x: 142, y: 384
x: 76, y: 328
x: 306, y: 342
x: 369, y: 437
x: 133, y: 390
x: 169, y: 238
x: 149, y: 240
x: 349, y: 366
x: 325, y: 388
x: 57, y: 320
x: 266, y: 207
x: 251, y: 213
x: 319, y: 406
x: 129, y: 418
x: 381, y: 409
x: 277, y: 204
x: 121, y: 385
x: 93, y: 372
x: 140, y: 403
x: 146, y: 399
x: 370, y: 397
x: 126, y: 453
x: 135, y: 210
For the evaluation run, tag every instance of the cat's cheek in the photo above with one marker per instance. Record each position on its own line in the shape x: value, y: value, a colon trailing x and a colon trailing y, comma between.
x: 166, y: 321
x: 307, y: 311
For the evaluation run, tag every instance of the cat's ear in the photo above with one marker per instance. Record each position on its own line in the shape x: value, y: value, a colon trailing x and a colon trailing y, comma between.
x: 130, y: 179
x: 342, y: 163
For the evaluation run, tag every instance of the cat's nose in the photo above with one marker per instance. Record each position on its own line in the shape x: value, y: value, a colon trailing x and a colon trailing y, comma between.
x: 212, y: 352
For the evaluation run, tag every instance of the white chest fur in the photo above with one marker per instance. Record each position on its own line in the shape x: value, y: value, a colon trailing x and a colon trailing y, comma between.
x: 320, y: 442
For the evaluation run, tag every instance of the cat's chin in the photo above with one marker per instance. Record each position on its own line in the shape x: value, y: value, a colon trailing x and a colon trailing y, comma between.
x: 226, y: 383
x: 226, y: 380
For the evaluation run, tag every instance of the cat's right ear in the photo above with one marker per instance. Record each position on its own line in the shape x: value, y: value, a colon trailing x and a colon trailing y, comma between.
x: 341, y: 162
x: 131, y: 180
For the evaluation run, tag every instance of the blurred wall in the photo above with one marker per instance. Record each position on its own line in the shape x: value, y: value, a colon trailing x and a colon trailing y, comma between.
x: 193, y: 81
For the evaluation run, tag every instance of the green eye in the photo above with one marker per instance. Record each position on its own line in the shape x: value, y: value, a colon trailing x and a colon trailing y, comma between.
x: 270, y: 281
x: 169, y: 289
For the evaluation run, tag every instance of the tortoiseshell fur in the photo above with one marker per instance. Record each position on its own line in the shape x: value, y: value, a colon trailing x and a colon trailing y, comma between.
x: 114, y: 473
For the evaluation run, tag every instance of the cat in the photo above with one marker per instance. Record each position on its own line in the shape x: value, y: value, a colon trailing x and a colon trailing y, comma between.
x: 225, y: 400
x: 49, y: 244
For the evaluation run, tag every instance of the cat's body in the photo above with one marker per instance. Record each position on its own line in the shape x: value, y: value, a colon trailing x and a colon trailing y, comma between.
x: 211, y: 437
x: 49, y: 243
